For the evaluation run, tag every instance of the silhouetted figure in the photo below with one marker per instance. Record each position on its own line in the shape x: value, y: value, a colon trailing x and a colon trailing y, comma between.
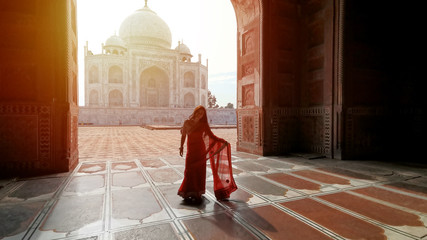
x: 202, y: 144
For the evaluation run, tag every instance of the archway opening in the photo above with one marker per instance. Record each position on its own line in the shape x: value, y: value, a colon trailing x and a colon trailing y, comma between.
x: 147, y: 83
x: 154, y: 88
x: 115, y: 99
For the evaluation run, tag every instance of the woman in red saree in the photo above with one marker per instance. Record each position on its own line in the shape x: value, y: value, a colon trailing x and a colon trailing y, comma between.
x: 202, y: 144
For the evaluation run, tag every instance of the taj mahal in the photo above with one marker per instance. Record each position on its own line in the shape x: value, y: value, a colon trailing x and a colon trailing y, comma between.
x: 139, y: 79
x: 138, y: 68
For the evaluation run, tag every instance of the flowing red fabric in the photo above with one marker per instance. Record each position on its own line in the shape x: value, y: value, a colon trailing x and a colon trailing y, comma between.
x: 202, y: 144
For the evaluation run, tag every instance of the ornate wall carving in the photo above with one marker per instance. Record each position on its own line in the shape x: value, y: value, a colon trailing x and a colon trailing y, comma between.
x: 73, y: 156
x: 316, y: 129
x: 248, y: 42
x: 26, y: 136
x: 301, y: 129
x: 284, y: 131
x: 247, y: 69
x: 248, y: 98
x: 145, y: 63
x: 247, y: 11
x: 248, y: 129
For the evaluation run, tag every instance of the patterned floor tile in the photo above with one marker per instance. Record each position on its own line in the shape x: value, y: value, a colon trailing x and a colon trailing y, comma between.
x: 341, y: 223
x: 165, y: 175
x: 85, y: 184
x: 75, y: 214
x: 277, y: 224
x: 294, y: 182
x: 128, y: 179
x: 399, y: 199
x: 159, y: 232
x: 15, y: 219
x: 135, y: 206
x: 218, y: 226
x: 126, y: 184
x: 391, y: 216
x: 264, y: 188
x: 38, y: 188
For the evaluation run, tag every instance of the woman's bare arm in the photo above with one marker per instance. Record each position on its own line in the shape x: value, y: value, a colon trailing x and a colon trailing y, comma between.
x: 183, y: 136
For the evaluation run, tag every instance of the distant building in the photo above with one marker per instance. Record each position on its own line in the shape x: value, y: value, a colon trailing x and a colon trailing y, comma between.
x: 138, y: 68
x: 138, y: 79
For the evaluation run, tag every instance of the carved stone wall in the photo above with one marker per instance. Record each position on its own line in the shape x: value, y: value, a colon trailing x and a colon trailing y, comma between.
x: 302, y: 130
x: 249, y: 129
x: 298, y: 80
x: 38, y: 87
x: 317, y: 79
x: 284, y: 131
x: 26, y: 142
x: 315, y: 135
x: 71, y: 104
x: 249, y: 87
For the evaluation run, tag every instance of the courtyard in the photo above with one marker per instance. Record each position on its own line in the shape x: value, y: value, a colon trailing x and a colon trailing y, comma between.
x: 125, y: 186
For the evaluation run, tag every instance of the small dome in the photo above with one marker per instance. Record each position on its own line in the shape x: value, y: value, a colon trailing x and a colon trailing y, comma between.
x: 144, y: 27
x: 115, y: 41
x: 183, y: 49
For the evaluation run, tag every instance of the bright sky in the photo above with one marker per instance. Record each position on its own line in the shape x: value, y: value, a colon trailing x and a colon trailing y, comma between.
x: 207, y: 27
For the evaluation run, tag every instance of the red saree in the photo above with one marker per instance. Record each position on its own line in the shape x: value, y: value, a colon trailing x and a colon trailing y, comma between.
x: 202, y: 144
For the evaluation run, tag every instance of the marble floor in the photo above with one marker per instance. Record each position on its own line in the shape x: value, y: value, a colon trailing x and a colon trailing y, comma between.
x: 119, y: 191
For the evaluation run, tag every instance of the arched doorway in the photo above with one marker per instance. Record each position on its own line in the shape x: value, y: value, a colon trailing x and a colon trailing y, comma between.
x: 189, y: 100
x: 154, y: 88
x: 287, y: 89
x: 115, y: 74
x: 189, y: 81
x: 115, y: 98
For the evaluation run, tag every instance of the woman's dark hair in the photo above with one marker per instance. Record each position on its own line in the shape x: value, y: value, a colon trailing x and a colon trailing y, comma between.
x: 193, y: 125
x: 204, y: 118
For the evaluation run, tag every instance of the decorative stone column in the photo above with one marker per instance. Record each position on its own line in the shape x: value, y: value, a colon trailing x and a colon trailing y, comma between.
x: 38, y: 87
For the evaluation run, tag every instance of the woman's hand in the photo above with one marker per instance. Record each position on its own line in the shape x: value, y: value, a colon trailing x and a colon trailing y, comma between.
x: 181, y: 151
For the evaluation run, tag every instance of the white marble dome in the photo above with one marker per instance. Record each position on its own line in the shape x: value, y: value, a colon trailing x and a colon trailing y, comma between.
x: 183, y: 49
x: 144, y: 27
x: 115, y: 41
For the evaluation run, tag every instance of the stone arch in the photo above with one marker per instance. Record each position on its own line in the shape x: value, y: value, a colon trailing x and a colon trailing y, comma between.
x: 65, y: 129
x: 115, y: 74
x: 189, y: 80
x: 154, y: 88
x: 93, y: 98
x: 189, y: 100
x: 115, y: 98
x: 93, y: 75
